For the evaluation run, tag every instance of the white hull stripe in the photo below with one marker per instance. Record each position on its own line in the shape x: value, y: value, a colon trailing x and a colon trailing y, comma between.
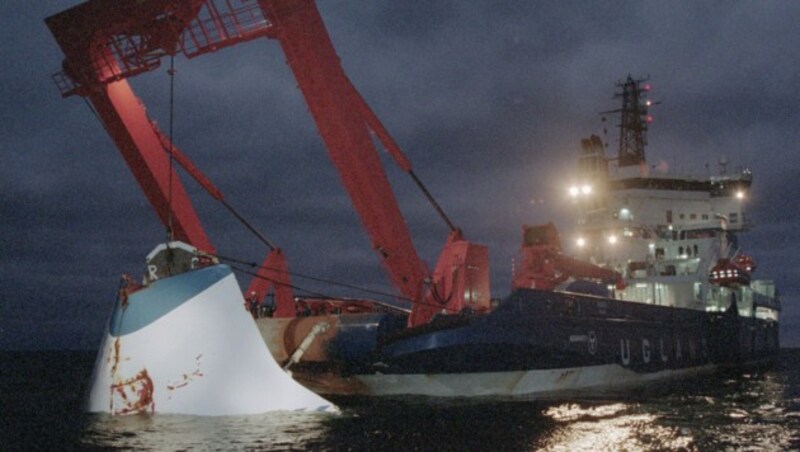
x: 523, y: 384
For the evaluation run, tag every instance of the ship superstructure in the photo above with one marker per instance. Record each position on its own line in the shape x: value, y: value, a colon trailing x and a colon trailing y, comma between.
x: 673, y: 237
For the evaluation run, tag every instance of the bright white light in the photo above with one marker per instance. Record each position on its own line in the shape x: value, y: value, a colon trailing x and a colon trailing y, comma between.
x: 669, y: 227
x: 612, y: 239
x: 573, y: 191
x: 580, y: 242
x: 652, y: 246
x: 586, y: 189
x: 740, y: 194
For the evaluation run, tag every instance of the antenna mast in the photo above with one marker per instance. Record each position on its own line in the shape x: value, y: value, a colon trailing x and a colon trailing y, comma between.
x: 633, y: 128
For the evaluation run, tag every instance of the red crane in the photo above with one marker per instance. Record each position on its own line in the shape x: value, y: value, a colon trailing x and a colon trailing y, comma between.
x: 542, y: 266
x: 107, y: 41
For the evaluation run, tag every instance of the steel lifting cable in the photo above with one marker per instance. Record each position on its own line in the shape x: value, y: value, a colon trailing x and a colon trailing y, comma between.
x: 279, y: 283
x: 171, y: 73
x: 257, y: 233
x: 433, y: 202
x: 230, y: 208
x: 317, y: 294
x: 170, y: 152
x: 314, y: 278
x: 250, y: 227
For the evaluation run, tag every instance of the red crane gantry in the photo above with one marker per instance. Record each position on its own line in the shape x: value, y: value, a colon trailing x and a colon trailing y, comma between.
x: 107, y: 41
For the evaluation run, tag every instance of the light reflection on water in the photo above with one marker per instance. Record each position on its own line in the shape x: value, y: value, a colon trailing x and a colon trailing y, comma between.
x: 273, y: 431
x: 757, y: 411
x: 749, y: 412
x: 612, y: 427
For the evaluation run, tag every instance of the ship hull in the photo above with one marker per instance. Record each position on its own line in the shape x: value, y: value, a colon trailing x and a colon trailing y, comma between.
x: 186, y: 345
x: 537, y: 343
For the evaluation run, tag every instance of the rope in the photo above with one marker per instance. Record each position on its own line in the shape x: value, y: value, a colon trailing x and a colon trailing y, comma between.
x: 433, y: 202
x: 313, y: 278
x: 278, y: 283
x: 250, y: 227
x: 170, y: 235
x: 311, y: 292
x: 171, y: 73
x: 317, y: 279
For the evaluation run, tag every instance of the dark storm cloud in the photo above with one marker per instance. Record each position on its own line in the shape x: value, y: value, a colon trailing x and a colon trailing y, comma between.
x: 488, y: 99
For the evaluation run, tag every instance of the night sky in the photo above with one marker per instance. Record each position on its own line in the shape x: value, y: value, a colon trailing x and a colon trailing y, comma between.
x: 488, y: 99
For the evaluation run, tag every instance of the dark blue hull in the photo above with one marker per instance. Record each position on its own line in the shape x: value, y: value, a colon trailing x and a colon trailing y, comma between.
x: 542, y: 330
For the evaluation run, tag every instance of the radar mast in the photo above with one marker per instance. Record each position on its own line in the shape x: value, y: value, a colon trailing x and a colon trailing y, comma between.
x: 633, y: 128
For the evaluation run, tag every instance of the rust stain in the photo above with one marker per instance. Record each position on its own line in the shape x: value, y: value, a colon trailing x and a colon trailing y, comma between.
x: 187, y: 378
x: 127, y: 286
x: 114, y: 358
x: 329, y: 382
x: 135, y: 395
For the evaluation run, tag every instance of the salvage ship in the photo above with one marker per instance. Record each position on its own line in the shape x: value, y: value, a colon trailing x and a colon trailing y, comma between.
x: 657, y: 289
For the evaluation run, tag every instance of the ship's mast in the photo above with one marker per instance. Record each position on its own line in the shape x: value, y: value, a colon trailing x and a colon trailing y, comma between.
x: 633, y: 128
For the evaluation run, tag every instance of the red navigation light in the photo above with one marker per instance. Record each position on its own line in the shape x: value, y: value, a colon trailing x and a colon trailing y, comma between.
x: 648, y: 119
x: 646, y: 87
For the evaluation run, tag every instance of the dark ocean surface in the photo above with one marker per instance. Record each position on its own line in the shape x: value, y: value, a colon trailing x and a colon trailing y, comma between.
x: 41, y: 396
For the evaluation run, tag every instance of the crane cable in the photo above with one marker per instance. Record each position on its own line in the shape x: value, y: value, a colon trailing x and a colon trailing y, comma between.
x: 272, y: 246
x: 171, y: 73
x: 249, y: 226
x: 169, y: 150
x: 170, y: 234
x: 322, y: 280
x: 432, y: 200
x: 170, y: 153
x: 313, y: 278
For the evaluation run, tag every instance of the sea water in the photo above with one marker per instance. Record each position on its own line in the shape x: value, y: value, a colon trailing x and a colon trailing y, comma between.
x: 41, y: 395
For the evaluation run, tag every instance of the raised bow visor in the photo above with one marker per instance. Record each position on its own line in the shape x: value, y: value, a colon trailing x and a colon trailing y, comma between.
x: 185, y: 344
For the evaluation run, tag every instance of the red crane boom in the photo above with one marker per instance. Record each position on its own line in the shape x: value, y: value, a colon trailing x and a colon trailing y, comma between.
x: 105, y: 41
